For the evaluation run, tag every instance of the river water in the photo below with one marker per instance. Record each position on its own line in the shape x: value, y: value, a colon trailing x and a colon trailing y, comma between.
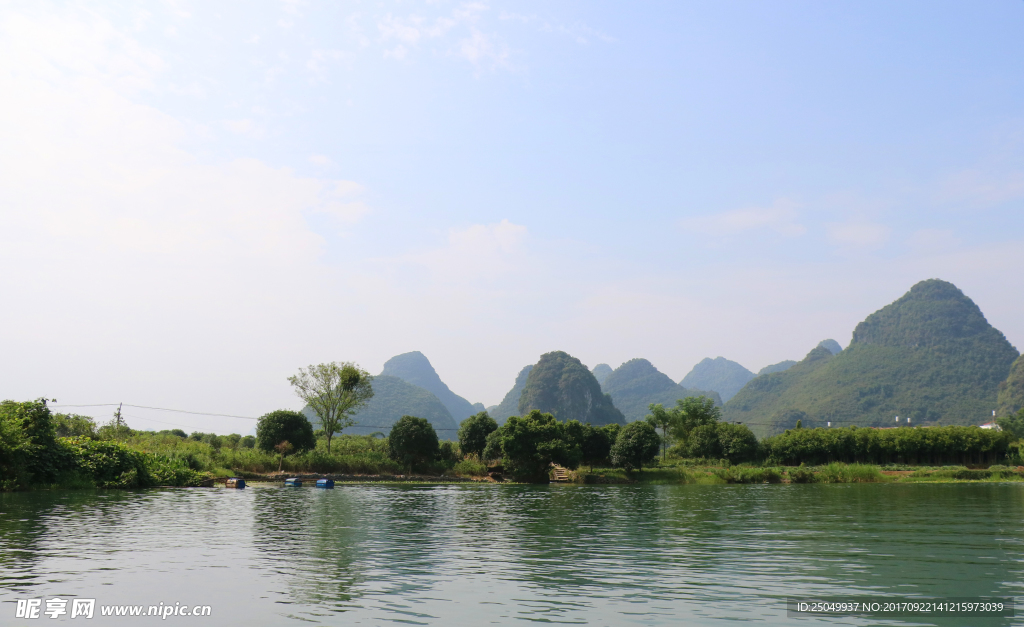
x: 503, y: 555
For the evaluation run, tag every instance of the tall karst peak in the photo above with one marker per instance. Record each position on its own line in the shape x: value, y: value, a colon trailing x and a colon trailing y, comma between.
x: 560, y: 384
x: 933, y: 312
x: 415, y: 368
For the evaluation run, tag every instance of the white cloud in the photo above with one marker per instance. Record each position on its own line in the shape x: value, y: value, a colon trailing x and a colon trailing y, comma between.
x: 780, y: 217
x: 977, y: 188
x: 481, y: 251
x: 322, y: 160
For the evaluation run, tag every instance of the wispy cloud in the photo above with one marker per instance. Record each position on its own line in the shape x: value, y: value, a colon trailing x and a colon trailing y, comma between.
x: 780, y: 217
x: 858, y: 234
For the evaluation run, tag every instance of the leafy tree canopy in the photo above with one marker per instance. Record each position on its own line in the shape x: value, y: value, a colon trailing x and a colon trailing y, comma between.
x: 334, y: 391
x: 473, y: 433
x: 413, y: 442
x: 284, y: 425
x: 530, y: 443
x: 637, y: 444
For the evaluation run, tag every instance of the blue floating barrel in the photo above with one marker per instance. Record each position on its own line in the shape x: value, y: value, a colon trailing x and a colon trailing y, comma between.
x: 325, y: 483
x: 293, y: 483
x: 235, y: 482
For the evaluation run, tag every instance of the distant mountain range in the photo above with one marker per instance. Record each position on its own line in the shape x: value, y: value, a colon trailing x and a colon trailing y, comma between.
x: 718, y: 374
x: 779, y: 367
x: 601, y: 372
x: 637, y: 384
x: 929, y: 356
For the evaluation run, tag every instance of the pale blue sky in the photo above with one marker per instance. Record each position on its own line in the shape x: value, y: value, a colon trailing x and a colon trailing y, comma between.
x: 198, y: 198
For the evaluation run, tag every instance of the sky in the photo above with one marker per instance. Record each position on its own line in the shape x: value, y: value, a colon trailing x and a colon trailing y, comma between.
x: 198, y: 198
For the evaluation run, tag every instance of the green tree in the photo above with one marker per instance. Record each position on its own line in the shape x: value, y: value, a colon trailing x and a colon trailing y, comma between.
x: 248, y: 441
x: 692, y: 412
x: 636, y: 445
x: 660, y: 418
x: 413, y: 442
x: 738, y: 443
x: 73, y: 425
x: 334, y: 391
x: 1014, y: 425
x: 529, y: 444
x: 284, y: 427
x: 492, y: 446
x: 703, y: 442
x: 35, y: 448
x: 596, y: 445
x: 473, y: 433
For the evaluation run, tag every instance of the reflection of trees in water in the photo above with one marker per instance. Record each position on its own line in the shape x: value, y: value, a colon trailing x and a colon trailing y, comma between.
x: 42, y: 524
x: 310, y: 539
x: 888, y: 538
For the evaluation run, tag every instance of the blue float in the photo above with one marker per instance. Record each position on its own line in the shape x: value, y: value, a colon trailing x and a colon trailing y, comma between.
x: 293, y: 483
x: 325, y: 483
x: 235, y: 482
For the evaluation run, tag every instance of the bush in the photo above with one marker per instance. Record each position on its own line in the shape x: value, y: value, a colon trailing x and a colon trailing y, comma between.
x: 448, y: 454
x: 933, y: 445
x: 413, y: 442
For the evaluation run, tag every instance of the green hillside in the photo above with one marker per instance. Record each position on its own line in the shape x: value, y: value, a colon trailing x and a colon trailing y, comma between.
x: 636, y: 384
x: 601, y: 372
x: 930, y: 356
x: 509, y: 405
x: 392, y: 399
x: 415, y: 368
x: 1011, y: 391
x: 782, y: 366
x: 719, y: 374
x: 561, y: 385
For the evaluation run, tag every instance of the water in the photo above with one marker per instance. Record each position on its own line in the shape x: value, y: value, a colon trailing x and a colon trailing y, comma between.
x: 502, y: 555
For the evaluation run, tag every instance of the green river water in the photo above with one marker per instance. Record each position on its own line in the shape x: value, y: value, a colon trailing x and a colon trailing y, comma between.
x: 504, y: 554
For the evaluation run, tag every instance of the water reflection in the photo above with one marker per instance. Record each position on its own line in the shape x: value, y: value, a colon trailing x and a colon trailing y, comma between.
x: 504, y: 554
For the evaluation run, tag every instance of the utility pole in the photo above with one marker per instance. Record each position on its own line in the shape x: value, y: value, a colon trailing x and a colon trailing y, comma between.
x: 117, y: 417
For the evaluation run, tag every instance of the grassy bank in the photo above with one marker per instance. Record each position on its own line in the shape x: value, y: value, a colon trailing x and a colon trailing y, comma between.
x: 688, y: 472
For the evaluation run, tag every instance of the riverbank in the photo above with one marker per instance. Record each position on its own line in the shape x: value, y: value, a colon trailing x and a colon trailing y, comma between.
x: 827, y: 473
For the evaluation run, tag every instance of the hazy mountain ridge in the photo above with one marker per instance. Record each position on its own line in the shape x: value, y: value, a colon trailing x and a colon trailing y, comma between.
x: 601, y: 372
x: 509, y: 406
x: 415, y: 368
x: 719, y: 374
x: 782, y: 366
x: 637, y: 384
x: 930, y: 356
x: 392, y: 399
